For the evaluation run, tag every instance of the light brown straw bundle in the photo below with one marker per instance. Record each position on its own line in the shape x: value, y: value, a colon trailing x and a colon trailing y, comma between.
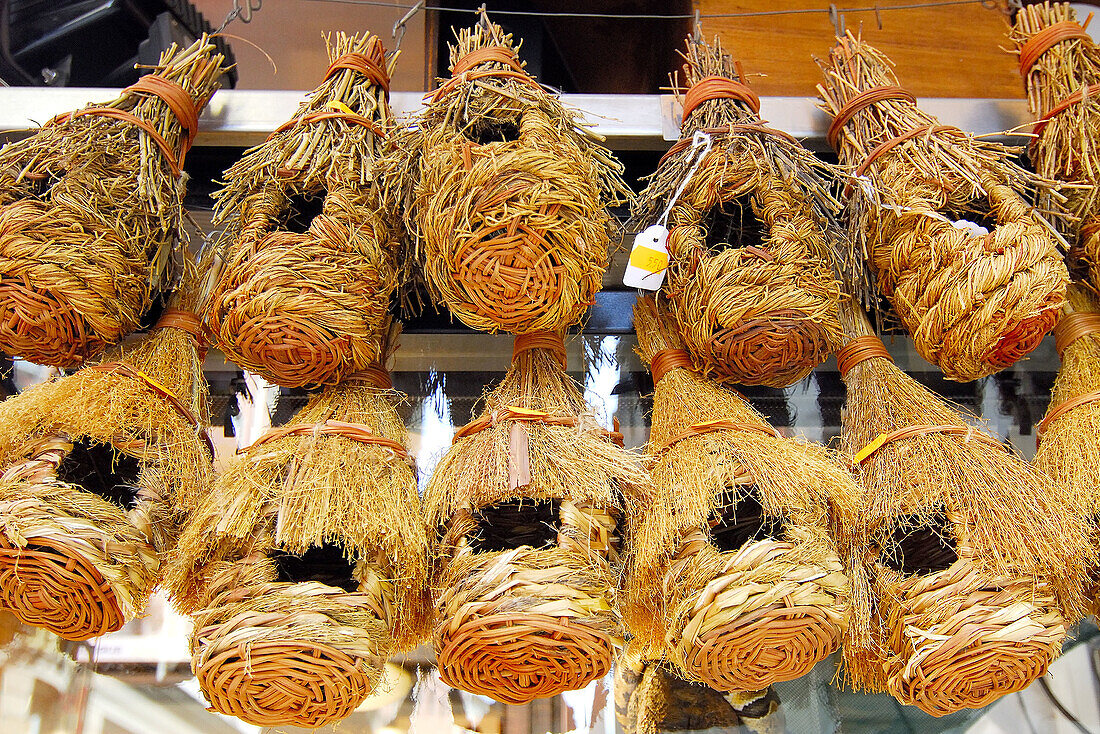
x: 101, y: 468
x: 1069, y: 435
x: 298, y: 301
x: 90, y: 212
x: 505, y: 192
x: 954, y: 546
x: 306, y: 566
x: 1060, y: 64
x: 750, y: 276
x: 731, y: 570
x: 526, y: 505
x: 973, y: 303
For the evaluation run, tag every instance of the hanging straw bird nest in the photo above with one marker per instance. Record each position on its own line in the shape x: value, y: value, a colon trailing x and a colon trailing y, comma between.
x: 506, y: 193
x: 90, y: 212
x: 526, y: 504
x: 309, y: 257
x: 1060, y: 64
x: 732, y: 573
x: 972, y: 271
x: 957, y: 549
x: 650, y: 698
x: 100, y: 469
x: 306, y: 566
x: 1068, y: 447
x: 750, y: 276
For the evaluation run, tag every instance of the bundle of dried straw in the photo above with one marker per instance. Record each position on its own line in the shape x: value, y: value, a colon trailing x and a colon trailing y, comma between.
x: 299, y: 299
x: 526, y: 505
x: 1069, y: 452
x: 90, y: 212
x: 101, y: 468
x: 971, y: 269
x: 749, y: 276
x: 306, y: 566
x: 1060, y: 64
x: 731, y: 572
x: 505, y: 192
x: 958, y: 547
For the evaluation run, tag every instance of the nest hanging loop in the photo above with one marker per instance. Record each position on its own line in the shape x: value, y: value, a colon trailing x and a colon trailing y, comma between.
x: 90, y: 212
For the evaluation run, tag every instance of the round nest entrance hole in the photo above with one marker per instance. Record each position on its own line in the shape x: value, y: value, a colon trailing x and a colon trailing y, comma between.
x: 739, y: 518
x: 301, y: 210
x: 920, y: 546
x: 100, y: 469
x: 326, y: 564
x: 484, y: 132
x: 515, y: 523
x: 732, y: 224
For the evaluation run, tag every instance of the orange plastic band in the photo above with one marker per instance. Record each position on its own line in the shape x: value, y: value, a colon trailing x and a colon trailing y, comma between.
x: 1073, y: 326
x: 860, y: 349
x: 540, y: 340
x: 372, y: 67
x: 174, y: 318
x: 526, y: 415
x: 744, y: 127
x: 497, y: 54
x: 700, y: 429
x: 920, y: 430
x: 860, y: 101
x: 1062, y: 409
x: 718, y: 87
x: 177, y: 99
x: 374, y: 374
x: 322, y: 115
x: 121, y: 368
x: 1044, y: 40
x: 354, y: 431
x: 175, y: 164
x: 1091, y: 91
x: 897, y: 140
x: 666, y: 360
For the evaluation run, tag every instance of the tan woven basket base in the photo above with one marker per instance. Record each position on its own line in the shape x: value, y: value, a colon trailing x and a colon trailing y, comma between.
x: 515, y: 658
x: 40, y: 325
x: 48, y: 585
x: 776, y: 351
x: 774, y: 644
x: 1020, y: 341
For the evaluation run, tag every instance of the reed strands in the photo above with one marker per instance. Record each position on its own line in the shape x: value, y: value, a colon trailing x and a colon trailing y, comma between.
x: 1068, y: 449
x: 101, y: 468
x: 952, y: 553
x: 1061, y: 68
x: 731, y: 570
x: 505, y: 193
x: 306, y: 566
x: 973, y: 302
x: 750, y: 275
x: 91, y: 209
x: 299, y: 300
x: 526, y: 505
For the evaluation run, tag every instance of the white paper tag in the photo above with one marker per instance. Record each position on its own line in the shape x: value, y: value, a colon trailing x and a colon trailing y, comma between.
x: 973, y: 228
x: 648, y: 259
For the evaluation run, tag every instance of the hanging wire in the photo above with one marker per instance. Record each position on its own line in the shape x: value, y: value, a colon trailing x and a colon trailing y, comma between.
x: 241, y: 12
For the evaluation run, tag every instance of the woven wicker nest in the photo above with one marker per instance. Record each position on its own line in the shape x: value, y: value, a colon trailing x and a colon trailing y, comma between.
x: 526, y: 504
x: 90, y: 213
x: 750, y: 271
x: 99, y: 471
x: 958, y: 637
x: 309, y: 258
x: 506, y: 195
x: 973, y: 302
x: 305, y: 568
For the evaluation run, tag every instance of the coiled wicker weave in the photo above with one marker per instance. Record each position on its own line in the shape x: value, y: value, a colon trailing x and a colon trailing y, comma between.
x: 506, y: 195
x: 974, y: 303
x: 732, y: 574
x: 298, y: 300
x: 101, y: 468
x: 526, y: 503
x: 306, y: 566
x: 750, y: 276
x: 90, y: 212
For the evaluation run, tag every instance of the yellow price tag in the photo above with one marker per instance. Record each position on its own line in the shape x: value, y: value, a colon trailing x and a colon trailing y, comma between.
x: 527, y: 412
x: 869, y: 449
x: 648, y: 259
x: 340, y: 106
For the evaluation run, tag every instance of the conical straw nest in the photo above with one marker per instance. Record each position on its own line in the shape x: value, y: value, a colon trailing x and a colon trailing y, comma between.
x: 651, y: 698
x: 90, y: 212
x: 750, y: 276
x: 298, y: 300
x: 306, y: 567
x: 970, y: 268
x: 1060, y: 64
x: 506, y: 193
x: 957, y: 549
x: 99, y: 470
x: 1068, y: 444
x: 731, y: 569
x: 526, y: 505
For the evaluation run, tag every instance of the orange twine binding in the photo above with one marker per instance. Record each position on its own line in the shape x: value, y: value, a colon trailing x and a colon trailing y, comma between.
x: 374, y: 374
x: 859, y: 350
x: 862, y: 100
x: 1044, y: 40
x: 920, y: 430
x: 718, y: 87
x: 354, y: 431
x: 667, y: 360
x: 1070, y: 328
x: 369, y: 66
x: 550, y: 340
x: 463, y: 69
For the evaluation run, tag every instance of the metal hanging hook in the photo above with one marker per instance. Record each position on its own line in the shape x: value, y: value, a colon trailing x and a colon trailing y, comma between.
x: 697, y: 28
x: 399, y: 27
x: 837, y: 19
